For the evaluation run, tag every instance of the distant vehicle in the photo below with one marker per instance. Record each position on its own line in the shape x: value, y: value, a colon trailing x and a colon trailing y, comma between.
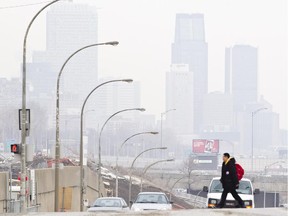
x: 151, y: 201
x: 245, y: 191
x: 109, y: 204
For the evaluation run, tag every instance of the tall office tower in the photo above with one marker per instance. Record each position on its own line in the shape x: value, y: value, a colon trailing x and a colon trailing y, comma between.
x: 179, y: 96
x: 218, y: 109
x: 190, y: 48
x: 241, y: 67
x: 70, y: 27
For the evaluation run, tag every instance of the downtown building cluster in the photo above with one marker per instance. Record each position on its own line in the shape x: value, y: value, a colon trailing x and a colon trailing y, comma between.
x: 199, y: 114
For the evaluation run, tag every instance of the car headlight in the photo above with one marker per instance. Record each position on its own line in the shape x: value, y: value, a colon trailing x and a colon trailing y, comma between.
x: 248, y: 203
x: 213, y: 201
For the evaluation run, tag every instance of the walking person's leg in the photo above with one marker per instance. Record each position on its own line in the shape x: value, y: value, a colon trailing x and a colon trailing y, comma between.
x: 223, y: 198
x: 237, y: 197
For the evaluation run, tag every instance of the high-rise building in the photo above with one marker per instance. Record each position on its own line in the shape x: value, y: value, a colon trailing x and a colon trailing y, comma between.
x: 190, y: 48
x: 241, y: 68
x: 70, y: 27
x: 218, y: 110
x: 179, y: 96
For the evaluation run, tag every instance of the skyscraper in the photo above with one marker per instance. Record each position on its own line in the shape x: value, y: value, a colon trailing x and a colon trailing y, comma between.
x: 179, y: 96
x: 190, y: 48
x: 70, y: 27
x: 241, y: 68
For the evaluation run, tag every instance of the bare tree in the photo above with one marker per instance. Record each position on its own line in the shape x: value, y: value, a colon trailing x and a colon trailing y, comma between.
x: 187, y: 167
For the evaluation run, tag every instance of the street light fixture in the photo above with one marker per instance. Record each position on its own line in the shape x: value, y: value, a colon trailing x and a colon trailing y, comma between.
x: 82, y: 188
x: 119, y: 150
x: 171, y: 190
x: 252, y: 135
x: 24, y: 126
x: 100, y: 135
x: 149, y: 166
x: 132, y: 165
x: 57, y: 146
x: 161, y: 133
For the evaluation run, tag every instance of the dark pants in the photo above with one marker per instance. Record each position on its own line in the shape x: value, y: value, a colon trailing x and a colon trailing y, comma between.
x: 231, y: 190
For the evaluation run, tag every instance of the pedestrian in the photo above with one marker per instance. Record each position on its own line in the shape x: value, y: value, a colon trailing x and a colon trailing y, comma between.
x: 229, y: 181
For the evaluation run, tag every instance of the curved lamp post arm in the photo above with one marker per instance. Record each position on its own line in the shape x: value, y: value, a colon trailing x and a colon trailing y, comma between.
x: 113, y: 43
x: 258, y: 110
x: 99, y: 141
x: 137, y: 134
x: 150, y: 149
x: 149, y: 166
x: 28, y: 29
x: 130, y: 172
x: 160, y: 161
x: 116, y: 113
x: 119, y: 150
x: 175, y: 184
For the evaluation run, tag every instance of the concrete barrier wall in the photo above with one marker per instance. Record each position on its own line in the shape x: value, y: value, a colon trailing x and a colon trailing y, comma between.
x: 69, y: 191
x: 3, y: 191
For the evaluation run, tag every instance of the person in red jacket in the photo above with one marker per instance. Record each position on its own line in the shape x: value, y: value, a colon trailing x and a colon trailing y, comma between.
x: 229, y: 181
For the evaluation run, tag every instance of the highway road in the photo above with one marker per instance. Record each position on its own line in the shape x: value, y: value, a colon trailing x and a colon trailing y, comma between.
x: 194, y: 212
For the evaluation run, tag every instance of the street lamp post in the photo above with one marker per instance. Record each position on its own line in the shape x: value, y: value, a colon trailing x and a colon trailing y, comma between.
x: 99, y: 142
x: 118, y: 152
x: 57, y: 146
x: 149, y: 166
x: 161, y: 133
x: 81, y: 137
x: 130, y: 172
x: 178, y: 180
x: 24, y: 125
x: 252, y: 135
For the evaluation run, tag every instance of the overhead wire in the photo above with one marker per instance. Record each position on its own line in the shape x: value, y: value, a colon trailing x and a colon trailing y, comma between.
x: 22, y: 5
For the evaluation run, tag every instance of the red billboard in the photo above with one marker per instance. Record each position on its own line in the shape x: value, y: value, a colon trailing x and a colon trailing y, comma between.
x: 205, y: 146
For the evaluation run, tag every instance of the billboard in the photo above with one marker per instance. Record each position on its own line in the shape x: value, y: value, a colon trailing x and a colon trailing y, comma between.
x: 205, y: 162
x: 205, y: 146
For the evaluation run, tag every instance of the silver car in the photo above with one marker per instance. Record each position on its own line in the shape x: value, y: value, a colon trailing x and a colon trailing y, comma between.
x: 151, y: 201
x: 109, y: 204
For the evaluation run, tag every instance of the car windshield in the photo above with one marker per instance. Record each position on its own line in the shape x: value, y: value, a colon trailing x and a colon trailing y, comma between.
x: 107, y: 203
x: 152, y: 198
x: 244, y: 187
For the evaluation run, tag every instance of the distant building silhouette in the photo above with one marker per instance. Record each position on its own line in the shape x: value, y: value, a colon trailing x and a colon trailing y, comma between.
x: 190, y: 48
x: 241, y: 72
x: 70, y: 27
x: 179, y: 96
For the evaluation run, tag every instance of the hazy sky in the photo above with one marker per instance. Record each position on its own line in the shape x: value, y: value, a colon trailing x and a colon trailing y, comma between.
x: 145, y: 30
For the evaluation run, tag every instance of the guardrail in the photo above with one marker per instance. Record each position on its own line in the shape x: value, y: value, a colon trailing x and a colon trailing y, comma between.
x: 194, y: 200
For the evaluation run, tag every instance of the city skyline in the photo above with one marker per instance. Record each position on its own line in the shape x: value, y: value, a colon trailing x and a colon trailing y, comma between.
x: 267, y: 50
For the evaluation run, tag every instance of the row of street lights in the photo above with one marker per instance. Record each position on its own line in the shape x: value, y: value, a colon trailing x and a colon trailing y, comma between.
x: 57, y: 146
x: 99, y: 144
x: 24, y: 127
x: 118, y: 152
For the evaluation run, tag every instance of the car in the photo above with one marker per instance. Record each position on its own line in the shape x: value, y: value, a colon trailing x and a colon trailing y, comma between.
x: 245, y: 191
x: 151, y: 201
x: 109, y: 204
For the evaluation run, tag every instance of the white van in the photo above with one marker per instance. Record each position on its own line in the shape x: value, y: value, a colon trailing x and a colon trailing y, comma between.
x: 245, y: 191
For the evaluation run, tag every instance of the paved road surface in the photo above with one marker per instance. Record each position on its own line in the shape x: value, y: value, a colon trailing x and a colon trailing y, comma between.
x: 194, y: 212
